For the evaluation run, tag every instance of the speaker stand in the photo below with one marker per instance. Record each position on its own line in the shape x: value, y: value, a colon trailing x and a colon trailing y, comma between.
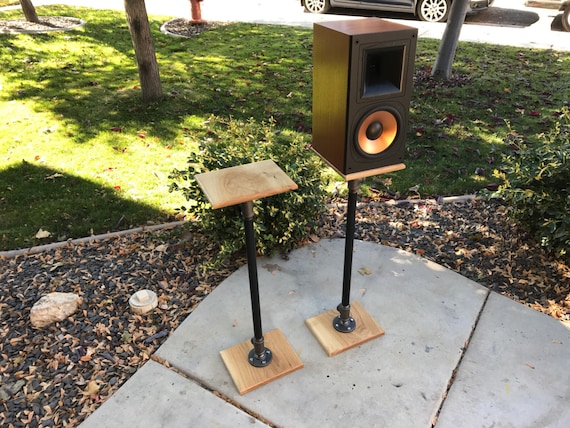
x: 344, y: 323
x: 347, y: 330
x: 251, y: 368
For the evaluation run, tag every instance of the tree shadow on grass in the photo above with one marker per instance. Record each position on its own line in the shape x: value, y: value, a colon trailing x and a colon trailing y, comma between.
x: 88, y: 77
x: 33, y: 197
x: 91, y: 93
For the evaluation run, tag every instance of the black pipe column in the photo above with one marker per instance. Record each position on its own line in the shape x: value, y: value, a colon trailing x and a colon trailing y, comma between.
x: 259, y: 356
x: 344, y: 322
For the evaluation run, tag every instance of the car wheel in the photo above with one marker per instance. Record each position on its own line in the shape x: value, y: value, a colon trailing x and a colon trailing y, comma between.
x: 317, y: 6
x: 566, y: 19
x: 433, y: 10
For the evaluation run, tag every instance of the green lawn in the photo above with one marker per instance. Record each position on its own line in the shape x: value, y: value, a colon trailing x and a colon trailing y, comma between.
x: 80, y: 153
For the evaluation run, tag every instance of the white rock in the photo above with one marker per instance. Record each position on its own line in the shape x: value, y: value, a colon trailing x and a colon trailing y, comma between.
x: 143, y: 301
x: 53, y: 307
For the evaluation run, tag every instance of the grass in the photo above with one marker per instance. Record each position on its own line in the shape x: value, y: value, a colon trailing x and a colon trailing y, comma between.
x: 81, y: 154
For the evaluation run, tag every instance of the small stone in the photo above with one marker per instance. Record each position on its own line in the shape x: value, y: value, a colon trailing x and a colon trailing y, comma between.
x: 53, y: 307
x: 8, y: 390
x: 4, y: 394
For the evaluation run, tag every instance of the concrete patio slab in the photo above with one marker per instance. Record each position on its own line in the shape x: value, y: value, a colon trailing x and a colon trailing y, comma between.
x: 397, y: 380
x: 515, y: 372
x: 158, y: 397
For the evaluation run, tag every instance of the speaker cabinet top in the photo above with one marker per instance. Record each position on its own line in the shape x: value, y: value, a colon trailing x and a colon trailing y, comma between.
x: 356, y: 27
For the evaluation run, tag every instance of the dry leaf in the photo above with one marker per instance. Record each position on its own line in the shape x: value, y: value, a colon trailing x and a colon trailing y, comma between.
x: 42, y: 234
x: 93, y: 387
x: 272, y: 267
x: 364, y: 271
x: 54, y: 176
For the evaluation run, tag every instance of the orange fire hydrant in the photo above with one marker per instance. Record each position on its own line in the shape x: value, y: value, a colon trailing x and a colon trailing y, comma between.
x: 196, y: 10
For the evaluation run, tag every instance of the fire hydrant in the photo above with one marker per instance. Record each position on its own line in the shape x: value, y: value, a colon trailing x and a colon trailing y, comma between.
x: 196, y: 11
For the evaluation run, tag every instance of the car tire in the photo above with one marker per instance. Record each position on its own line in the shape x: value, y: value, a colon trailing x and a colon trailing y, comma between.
x: 566, y: 19
x: 433, y: 10
x: 317, y: 6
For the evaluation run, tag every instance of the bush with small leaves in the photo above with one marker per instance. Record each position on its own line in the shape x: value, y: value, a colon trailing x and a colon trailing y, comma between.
x: 282, y: 222
x: 536, y: 183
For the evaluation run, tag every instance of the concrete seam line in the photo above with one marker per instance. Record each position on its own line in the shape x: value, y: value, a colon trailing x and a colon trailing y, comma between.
x: 458, y: 365
x: 40, y: 248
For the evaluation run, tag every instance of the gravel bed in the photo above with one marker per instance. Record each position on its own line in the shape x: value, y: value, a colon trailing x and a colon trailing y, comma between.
x: 58, y: 375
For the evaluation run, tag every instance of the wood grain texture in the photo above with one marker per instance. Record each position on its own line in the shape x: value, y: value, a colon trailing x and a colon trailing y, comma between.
x: 244, y: 183
x: 246, y: 377
x: 335, y: 342
x: 364, y: 174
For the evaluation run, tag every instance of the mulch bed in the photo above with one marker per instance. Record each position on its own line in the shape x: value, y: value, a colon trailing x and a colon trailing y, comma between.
x: 185, y: 28
x: 45, y: 24
x: 58, y: 375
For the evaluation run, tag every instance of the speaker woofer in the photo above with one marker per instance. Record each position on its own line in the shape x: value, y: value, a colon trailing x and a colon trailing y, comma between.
x: 376, y: 132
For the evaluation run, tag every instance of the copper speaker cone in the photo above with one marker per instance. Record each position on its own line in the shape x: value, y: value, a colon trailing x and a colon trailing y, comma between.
x: 382, y: 123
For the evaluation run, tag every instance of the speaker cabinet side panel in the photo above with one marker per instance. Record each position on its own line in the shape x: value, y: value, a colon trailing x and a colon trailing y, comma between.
x: 331, y: 71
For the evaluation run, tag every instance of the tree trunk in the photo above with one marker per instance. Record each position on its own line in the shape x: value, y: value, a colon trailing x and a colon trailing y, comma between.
x: 446, y: 53
x: 29, y: 11
x: 196, y: 11
x: 139, y: 27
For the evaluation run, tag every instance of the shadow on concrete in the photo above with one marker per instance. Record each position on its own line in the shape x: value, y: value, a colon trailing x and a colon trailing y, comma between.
x: 494, y: 16
x: 500, y: 17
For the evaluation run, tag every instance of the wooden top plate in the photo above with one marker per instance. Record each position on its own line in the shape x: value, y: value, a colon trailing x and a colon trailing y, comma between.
x: 243, y: 183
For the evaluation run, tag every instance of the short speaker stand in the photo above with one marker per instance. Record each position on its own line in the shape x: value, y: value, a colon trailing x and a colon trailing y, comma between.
x: 250, y: 367
x: 346, y: 327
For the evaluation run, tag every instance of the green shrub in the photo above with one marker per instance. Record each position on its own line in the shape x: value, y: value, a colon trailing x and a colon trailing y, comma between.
x: 536, y: 183
x: 282, y: 221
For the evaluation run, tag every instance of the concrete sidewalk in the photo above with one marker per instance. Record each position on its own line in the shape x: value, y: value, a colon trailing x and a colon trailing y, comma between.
x: 454, y: 354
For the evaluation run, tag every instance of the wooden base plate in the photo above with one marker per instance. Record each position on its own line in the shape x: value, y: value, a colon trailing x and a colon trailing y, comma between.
x: 335, y: 342
x: 246, y: 377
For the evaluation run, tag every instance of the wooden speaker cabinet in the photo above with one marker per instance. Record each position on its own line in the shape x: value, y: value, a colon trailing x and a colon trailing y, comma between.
x: 362, y: 83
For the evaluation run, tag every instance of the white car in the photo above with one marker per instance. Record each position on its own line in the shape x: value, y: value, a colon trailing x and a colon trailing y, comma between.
x: 426, y: 10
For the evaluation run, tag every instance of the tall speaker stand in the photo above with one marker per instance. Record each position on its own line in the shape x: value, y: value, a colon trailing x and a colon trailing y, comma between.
x: 344, y: 323
x: 353, y: 325
x: 252, y: 368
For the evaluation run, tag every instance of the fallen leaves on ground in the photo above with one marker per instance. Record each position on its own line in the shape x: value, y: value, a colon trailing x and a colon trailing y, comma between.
x: 59, y: 375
